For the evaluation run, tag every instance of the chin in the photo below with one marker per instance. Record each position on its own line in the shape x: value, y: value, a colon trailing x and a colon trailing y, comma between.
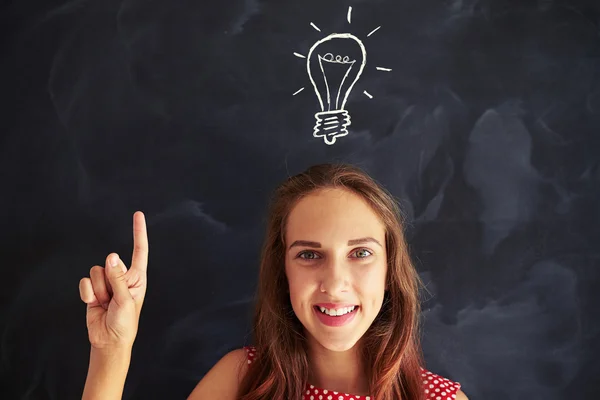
x: 340, y: 347
x: 335, y: 344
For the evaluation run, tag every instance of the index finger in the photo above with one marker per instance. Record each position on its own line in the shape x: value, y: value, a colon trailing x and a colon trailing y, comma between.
x: 139, y: 260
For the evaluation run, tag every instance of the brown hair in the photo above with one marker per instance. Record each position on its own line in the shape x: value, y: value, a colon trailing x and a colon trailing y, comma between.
x: 390, y: 347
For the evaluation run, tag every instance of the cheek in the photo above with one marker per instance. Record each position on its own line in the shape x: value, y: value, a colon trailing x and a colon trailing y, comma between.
x: 302, y: 288
x: 372, y: 283
x: 296, y: 285
x: 373, y: 276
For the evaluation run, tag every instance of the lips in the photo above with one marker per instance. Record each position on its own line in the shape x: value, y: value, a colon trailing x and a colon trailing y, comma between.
x: 336, y: 321
x: 335, y: 305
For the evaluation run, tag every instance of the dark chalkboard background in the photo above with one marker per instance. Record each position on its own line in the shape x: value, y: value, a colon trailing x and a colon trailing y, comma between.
x: 487, y: 128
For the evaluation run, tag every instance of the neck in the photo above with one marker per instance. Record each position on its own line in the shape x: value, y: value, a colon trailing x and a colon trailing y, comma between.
x: 339, y: 371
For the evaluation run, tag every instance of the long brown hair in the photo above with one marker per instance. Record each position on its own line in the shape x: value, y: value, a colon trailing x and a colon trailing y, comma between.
x: 390, y: 347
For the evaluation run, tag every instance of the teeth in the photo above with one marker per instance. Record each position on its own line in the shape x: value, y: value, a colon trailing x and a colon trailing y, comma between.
x: 338, y: 312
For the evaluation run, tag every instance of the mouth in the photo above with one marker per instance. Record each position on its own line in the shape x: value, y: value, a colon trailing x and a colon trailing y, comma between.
x: 340, y: 311
x: 346, y: 316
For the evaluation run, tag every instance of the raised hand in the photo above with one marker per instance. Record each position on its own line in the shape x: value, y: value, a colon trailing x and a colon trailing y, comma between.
x: 114, y: 295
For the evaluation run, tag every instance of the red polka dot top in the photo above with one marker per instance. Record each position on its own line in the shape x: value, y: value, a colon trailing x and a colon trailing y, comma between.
x: 435, y: 387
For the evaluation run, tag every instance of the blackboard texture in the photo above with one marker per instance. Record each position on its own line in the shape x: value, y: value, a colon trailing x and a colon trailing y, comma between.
x: 483, y: 117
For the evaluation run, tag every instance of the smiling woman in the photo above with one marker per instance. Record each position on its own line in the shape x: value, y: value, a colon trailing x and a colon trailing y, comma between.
x: 337, y: 305
x: 339, y: 273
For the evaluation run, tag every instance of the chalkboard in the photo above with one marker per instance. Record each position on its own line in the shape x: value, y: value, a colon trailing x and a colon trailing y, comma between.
x: 481, y: 117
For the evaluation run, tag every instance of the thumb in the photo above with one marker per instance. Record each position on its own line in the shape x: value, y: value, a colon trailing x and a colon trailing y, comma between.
x: 117, y: 280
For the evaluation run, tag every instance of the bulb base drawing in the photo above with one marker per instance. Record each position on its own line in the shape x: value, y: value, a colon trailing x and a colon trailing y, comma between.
x: 331, y: 124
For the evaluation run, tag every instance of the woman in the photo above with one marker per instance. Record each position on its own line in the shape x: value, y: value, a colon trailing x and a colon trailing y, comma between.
x: 337, y: 308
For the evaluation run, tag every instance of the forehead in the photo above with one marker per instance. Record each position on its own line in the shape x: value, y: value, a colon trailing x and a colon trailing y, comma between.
x: 333, y: 215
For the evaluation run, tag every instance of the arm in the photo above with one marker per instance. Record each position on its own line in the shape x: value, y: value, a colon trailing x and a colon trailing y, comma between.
x: 114, y: 296
x: 461, y: 396
x: 223, y: 380
x: 106, y: 374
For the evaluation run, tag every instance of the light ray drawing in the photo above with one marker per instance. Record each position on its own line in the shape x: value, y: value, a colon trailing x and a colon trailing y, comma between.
x: 334, y: 64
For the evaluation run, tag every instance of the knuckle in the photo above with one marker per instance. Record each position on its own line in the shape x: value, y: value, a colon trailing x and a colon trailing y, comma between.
x: 95, y: 269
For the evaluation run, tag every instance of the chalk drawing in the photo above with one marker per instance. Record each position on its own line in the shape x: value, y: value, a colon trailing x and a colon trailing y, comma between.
x: 373, y: 31
x: 334, y: 64
x: 332, y: 95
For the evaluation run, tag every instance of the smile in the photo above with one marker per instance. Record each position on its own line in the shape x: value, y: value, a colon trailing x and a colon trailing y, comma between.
x: 336, y: 312
x: 336, y: 317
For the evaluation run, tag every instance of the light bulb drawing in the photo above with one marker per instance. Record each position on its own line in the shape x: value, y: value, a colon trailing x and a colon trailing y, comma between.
x: 336, y: 76
x: 334, y: 64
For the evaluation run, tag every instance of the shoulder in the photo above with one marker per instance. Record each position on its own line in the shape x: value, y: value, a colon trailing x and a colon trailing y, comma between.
x: 223, y: 379
x: 436, y: 385
x: 461, y: 396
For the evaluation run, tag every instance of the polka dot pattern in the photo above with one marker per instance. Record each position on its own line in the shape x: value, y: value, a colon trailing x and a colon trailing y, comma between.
x: 435, y: 387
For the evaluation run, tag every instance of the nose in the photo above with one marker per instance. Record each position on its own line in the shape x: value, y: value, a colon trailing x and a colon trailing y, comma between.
x: 335, y: 277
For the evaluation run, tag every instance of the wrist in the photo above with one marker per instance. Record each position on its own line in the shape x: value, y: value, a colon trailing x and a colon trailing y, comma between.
x: 107, y: 373
x: 112, y: 351
x: 117, y: 358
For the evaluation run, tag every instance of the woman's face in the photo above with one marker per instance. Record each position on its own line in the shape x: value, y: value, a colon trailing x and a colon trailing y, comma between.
x: 336, y: 259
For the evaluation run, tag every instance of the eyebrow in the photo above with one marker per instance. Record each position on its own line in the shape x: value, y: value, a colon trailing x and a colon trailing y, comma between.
x: 352, y: 242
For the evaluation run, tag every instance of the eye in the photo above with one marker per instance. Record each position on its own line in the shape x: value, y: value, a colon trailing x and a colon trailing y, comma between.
x: 363, y: 251
x: 312, y: 255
